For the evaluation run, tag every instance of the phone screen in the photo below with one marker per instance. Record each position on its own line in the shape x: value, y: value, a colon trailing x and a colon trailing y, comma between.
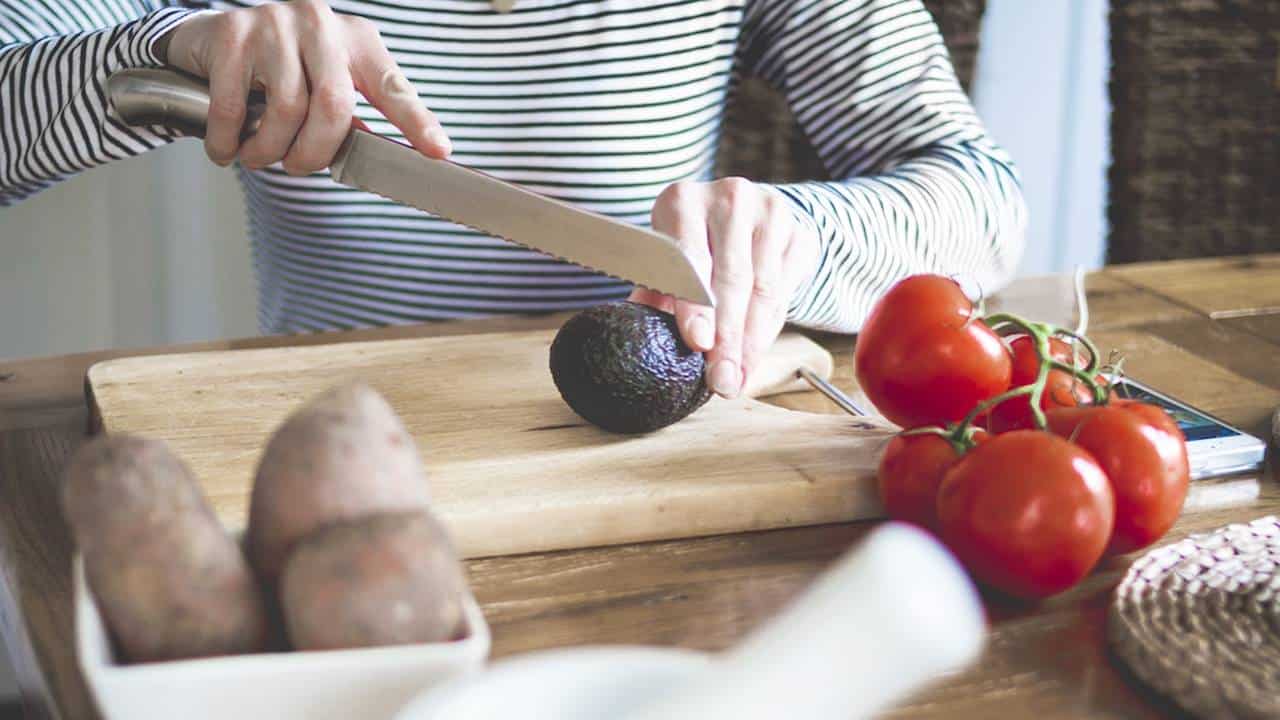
x: 1194, y: 425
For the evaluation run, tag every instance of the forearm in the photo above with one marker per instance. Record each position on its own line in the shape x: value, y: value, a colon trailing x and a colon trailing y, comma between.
x: 955, y: 209
x: 57, y: 120
x: 919, y: 185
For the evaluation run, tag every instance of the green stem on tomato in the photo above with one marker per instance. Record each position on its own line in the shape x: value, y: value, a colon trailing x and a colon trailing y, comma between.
x: 944, y: 433
x: 1096, y: 390
x: 960, y: 436
x: 1046, y: 330
x: 992, y: 402
x: 998, y: 319
x: 964, y: 435
x: 1040, y: 334
x: 1088, y: 373
x: 1090, y: 367
x: 1045, y: 353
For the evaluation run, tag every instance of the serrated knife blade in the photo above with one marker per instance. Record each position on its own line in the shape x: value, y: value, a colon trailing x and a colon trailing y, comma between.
x: 495, y: 207
x: 370, y: 162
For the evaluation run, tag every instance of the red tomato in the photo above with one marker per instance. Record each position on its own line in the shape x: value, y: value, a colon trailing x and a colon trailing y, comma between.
x: 924, y: 359
x: 1144, y: 455
x: 910, y: 471
x: 1027, y: 512
x: 1151, y: 413
x: 1060, y: 390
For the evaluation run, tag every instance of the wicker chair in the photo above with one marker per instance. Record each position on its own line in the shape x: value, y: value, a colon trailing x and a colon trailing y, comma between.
x: 1195, y: 128
x: 761, y: 140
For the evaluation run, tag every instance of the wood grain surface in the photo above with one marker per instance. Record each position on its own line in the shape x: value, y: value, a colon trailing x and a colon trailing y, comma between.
x: 512, y: 468
x: 1266, y: 327
x: 1046, y: 661
x: 1219, y: 288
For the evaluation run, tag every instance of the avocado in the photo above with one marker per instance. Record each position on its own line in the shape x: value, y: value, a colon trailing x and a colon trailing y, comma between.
x: 624, y: 367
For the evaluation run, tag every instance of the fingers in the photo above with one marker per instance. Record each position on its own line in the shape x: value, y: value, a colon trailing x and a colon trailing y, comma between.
x: 310, y: 62
x: 731, y: 218
x: 228, y: 91
x: 278, y: 66
x: 745, y: 238
x: 380, y: 80
x: 681, y: 212
x: 771, y: 288
x: 697, y: 325
x: 331, y: 104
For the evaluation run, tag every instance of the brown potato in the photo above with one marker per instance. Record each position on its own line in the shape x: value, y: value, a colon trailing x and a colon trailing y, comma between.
x: 388, y: 579
x: 343, y: 455
x: 170, y: 582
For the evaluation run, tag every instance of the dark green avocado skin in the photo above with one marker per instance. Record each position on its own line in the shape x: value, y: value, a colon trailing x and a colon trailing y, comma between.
x: 624, y: 367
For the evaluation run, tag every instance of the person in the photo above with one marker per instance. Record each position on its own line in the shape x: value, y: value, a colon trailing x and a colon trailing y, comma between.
x: 612, y: 105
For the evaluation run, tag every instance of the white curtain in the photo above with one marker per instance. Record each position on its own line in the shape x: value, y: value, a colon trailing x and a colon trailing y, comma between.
x: 1041, y: 88
x: 145, y: 251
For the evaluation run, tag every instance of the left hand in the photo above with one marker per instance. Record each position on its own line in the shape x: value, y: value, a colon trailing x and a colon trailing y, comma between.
x: 744, y: 238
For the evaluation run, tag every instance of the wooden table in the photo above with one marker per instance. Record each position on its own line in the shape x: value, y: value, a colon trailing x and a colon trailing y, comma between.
x: 1207, y: 331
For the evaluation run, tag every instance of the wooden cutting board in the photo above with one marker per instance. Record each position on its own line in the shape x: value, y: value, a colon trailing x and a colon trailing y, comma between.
x: 512, y: 468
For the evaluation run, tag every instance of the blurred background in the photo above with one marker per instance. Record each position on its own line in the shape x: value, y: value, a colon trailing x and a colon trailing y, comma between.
x: 153, y: 250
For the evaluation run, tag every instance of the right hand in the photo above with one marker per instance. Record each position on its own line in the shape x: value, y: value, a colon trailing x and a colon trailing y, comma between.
x: 310, y: 62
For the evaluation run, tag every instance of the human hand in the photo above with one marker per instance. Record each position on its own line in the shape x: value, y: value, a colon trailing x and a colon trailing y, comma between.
x: 744, y: 238
x: 310, y: 62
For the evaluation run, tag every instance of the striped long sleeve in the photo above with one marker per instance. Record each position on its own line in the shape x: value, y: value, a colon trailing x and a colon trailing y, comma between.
x: 918, y: 184
x: 599, y: 103
x: 55, y: 56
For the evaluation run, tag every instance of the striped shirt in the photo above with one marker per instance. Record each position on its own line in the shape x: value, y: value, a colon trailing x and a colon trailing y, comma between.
x: 601, y: 103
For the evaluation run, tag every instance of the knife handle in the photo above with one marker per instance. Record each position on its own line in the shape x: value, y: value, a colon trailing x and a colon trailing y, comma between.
x: 176, y: 100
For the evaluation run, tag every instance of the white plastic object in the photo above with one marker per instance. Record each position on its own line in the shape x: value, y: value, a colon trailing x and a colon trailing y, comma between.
x: 889, y: 616
x: 366, y: 683
x: 581, y: 683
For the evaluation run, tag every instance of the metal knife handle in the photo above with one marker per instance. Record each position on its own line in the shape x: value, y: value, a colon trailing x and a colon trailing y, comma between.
x: 176, y: 100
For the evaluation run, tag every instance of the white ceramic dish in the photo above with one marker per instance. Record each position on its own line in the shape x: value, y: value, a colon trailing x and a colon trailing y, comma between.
x: 584, y: 683
x: 372, y: 683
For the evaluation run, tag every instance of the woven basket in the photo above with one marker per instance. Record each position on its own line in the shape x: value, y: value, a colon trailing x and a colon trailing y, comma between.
x: 760, y: 137
x: 1195, y: 128
x: 1199, y: 621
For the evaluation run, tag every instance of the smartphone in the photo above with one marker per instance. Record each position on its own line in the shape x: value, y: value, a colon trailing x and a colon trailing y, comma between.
x: 1213, y: 447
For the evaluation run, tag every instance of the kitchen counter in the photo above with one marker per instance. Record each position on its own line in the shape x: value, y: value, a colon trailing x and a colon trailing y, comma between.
x: 1206, y: 331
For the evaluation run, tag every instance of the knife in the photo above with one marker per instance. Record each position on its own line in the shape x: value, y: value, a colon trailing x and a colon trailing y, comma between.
x: 370, y: 162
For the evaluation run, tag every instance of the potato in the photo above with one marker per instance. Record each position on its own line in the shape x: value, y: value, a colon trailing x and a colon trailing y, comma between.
x: 343, y: 455
x: 387, y: 579
x: 170, y: 582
